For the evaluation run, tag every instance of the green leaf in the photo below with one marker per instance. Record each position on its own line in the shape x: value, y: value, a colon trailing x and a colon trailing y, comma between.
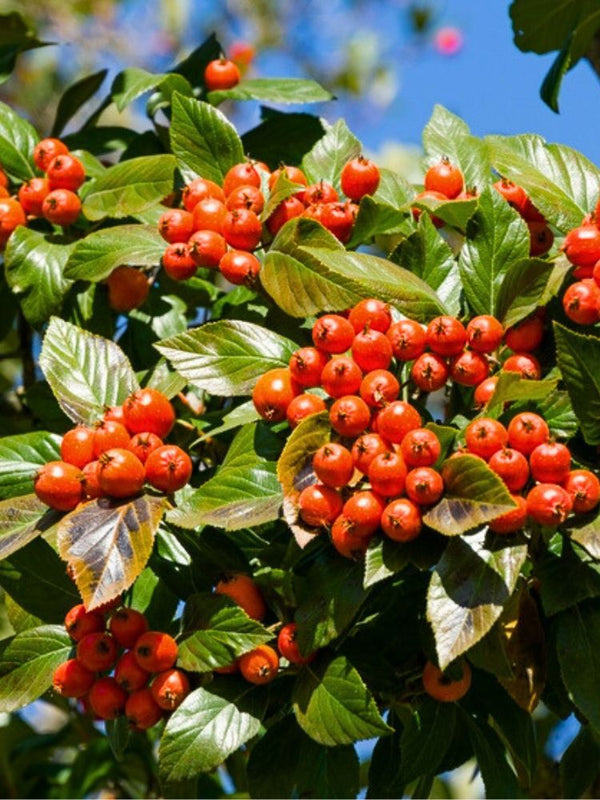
x: 16, y: 37
x: 21, y: 457
x: 226, y: 357
x: 511, y: 386
x: 527, y: 285
x: 558, y: 412
x: 578, y: 648
x: 333, y: 705
x: 303, y: 442
x: 192, y: 66
x: 274, y: 90
x: 498, y: 777
x: 426, y: 738
x: 329, y: 598
x: 282, y: 138
x: 383, y: 559
x: 586, y: 534
x: 203, y: 141
x: 565, y: 580
x: 497, y: 239
x: 385, y: 211
x: 579, y: 764
x: 108, y: 543
x: 131, y: 83
x: 22, y: 519
x: 427, y: 255
x: 561, y: 182
x: 447, y: 135
x: 216, y: 632
x: 282, y: 189
x: 245, y: 491
x: 329, y: 155
x: 28, y: 663
x: 578, y: 357
x: 551, y: 84
x: 35, y: 264
x: 129, y: 188
x: 385, y: 776
x: 118, y: 733
x: 473, y: 495
x: 98, y: 254
x: 74, y: 97
x: 536, y: 30
x: 85, y: 372
x: 455, y: 213
x: 285, y: 762
x: 36, y: 579
x: 209, y: 725
x: 17, y: 141
x: 469, y: 587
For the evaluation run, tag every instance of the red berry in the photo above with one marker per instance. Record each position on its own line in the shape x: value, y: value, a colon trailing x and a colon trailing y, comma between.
x: 306, y: 366
x: 582, y: 245
x: 128, y: 288
x: 424, y: 486
x: 97, y: 651
x: 514, y: 194
x: 371, y: 350
x: 429, y: 372
x: 581, y: 302
x: 127, y: 625
x: 11, y: 216
x: 359, y: 177
x: 303, y: 405
x: 47, y: 150
x: 168, y: 468
x: 525, y: 336
x: 176, y: 225
x: 72, y: 679
x: 178, y: 263
x: 526, y: 431
x: 246, y: 196
x: 584, y: 489
x: 209, y: 214
x: 362, y: 512
x: 260, y: 665
x: 408, y: 339
x: 32, y: 195
x: 525, y: 364
x: 333, y: 333
x: 319, y: 505
x: 445, y: 178
x: 273, y: 392
x: 199, y: 189
x: 65, y: 172
x: 77, y: 446
x: 221, y: 74
x: 293, y: 174
x: 511, y: 521
x: 61, y: 207
x: 242, y: 229
x: 485, y: 436
x: 207, y: 248
x: 91, y: 479
x: 129, y: 674
x: 379, y: 387
x: 349, y: 415
x: 420, y: 448
x: 156, y: 651
x: 333, y: 465
x: 365, y: 448
x: 288, y: 646
x: 79, y: 622
x: 121, y: 473
x: 446, y: 336
x: 541, y: 238
x: 341, y: 376
x: 288, y: 209
x: 142, y: 444
x: 401, y: 520
x: 244, y: 592
x: 108, y: 435
x: 370, y: 313
x: 338, y: 218
x: 142, y: 711
x: 512, y: 467
x: 244, y: 174
x: 240, y: 268
x: 321, y: 192
x: 149, y: 411
x: 107, y: 698
x: 550, y: 462
x: 387, y: 474
x: 548, y: 504
x: 484, y: 333
x: 59, y: 485
x: 396, y: 420
x: 170, y: 688
x: 346, y: 541
x: 469, y: 368
x: 485, y: 390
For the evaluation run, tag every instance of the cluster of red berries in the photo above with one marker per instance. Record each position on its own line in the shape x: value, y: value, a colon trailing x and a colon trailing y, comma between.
x: 260, y: 665
x: 126, y: 669
x: 444, y: 181
x: 117, y: 456
x: 220, y: 227
x: 53, y: 196
x: 530, y: 462
x: 581, y: 301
